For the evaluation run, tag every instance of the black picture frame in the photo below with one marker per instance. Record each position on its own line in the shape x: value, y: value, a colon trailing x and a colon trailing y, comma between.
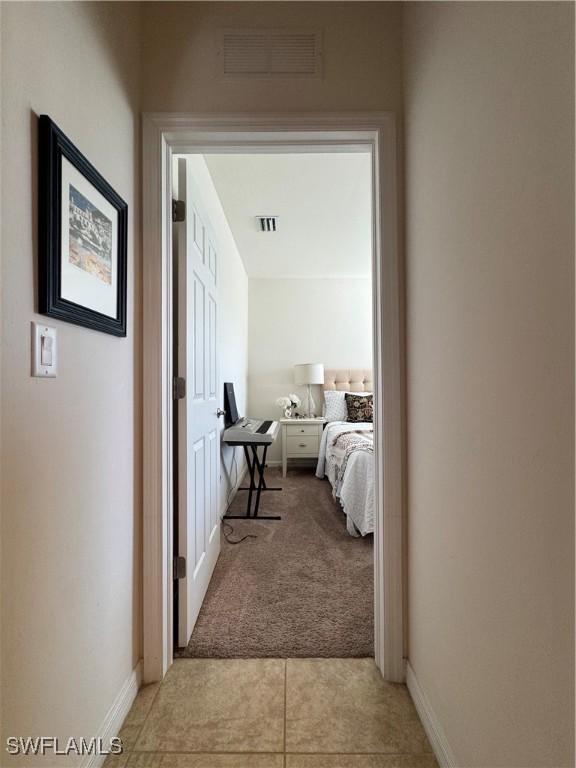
x: 53, y: 146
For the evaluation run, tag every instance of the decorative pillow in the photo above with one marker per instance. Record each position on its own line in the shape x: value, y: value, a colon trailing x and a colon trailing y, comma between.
x: 335, y: 405
x: 359, y: 407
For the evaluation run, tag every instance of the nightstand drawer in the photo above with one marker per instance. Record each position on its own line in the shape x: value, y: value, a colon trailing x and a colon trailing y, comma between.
x: 306, y: 444
x: 302, y: 429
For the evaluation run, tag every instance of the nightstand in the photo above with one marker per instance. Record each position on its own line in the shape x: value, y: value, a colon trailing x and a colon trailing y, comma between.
x: 300, y: 439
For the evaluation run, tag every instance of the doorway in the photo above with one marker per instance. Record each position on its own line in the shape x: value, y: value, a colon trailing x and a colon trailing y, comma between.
x: 164, y: 136
x: 296, y: 580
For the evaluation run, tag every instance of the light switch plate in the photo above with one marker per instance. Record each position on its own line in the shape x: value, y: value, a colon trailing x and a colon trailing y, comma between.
x: 44, y: 350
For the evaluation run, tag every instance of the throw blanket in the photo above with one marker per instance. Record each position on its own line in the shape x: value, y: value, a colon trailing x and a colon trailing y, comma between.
x: 343, y: 446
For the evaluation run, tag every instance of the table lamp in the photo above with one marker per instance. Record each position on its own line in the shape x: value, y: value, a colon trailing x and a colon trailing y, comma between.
x: 308, y: 374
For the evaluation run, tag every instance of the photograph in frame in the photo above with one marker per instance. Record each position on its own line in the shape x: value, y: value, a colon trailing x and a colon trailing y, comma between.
x: 82, y: 238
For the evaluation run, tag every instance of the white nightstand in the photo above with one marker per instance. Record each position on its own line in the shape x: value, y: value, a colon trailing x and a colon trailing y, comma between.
x: 300, y: 439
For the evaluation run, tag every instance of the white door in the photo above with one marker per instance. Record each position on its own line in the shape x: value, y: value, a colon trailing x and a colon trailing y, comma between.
x: 198, y: 428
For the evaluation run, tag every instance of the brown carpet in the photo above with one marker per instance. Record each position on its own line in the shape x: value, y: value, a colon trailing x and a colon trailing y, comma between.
x: 303, y: 588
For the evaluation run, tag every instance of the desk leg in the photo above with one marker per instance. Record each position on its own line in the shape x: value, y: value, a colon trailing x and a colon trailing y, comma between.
x: 251, y: 467
x: 284, y: 451
x: 261, y: 468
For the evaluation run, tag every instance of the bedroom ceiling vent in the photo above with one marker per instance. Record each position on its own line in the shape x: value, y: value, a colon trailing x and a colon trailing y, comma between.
x: 271, y: 53
x: 267, y: 223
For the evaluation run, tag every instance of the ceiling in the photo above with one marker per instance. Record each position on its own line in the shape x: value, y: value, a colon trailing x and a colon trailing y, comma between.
x: 323, y: 202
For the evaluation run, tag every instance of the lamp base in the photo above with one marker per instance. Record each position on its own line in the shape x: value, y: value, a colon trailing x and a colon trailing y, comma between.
x: 311, y: 403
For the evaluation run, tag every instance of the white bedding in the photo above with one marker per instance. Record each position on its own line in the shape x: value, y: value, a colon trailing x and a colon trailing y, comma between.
x: 356, y: 493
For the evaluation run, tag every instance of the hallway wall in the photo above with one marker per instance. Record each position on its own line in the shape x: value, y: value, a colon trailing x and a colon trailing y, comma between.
x: 490, y: 246
x: 71, y: 454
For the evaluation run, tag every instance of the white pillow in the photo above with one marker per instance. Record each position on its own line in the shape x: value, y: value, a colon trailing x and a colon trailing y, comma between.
x: 335, y: 404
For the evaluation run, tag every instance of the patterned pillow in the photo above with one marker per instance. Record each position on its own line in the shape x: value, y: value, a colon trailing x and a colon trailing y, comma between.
x: 335, y: 405
x: 360, y: 407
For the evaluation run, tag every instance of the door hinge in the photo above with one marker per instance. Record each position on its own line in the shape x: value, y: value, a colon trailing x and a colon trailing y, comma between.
x: 179, y: 568
x: 178, y: 210
x: 178, y: 388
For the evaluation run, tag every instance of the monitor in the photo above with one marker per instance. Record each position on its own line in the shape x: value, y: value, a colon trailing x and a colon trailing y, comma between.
x: 230, y: 408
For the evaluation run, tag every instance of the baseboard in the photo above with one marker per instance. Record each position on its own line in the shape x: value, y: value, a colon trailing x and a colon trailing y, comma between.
x: 293, y: 463
x: 305, y: 462
x: 112, y: 723
x: 242, y: 472
x: 434, y: 730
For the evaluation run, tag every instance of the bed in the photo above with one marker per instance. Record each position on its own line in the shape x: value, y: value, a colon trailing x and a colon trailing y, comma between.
x: 346, y: 456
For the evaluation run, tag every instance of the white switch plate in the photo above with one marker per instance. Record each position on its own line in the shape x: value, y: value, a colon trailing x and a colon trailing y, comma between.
x: 44, y: 349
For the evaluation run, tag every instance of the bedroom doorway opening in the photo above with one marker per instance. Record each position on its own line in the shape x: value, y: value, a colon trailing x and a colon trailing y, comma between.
x: 168, y: 136
x: 278, y: 246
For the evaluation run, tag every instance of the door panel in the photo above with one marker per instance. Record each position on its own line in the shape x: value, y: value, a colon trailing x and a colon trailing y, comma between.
x: 212, y: 260
x: 197, y: 336
x: 212, y: 383
x: 198, y: 230
x: 197, y: 495
x: 198, y: 429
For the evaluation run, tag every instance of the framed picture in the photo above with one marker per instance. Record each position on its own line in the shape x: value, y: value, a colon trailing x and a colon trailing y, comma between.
x: 82, y: 238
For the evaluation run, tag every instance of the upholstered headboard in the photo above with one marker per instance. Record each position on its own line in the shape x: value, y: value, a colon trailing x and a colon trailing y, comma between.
x: 348, y: 379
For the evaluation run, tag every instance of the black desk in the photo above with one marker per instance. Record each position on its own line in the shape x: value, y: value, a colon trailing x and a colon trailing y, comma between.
x: 259, y: 466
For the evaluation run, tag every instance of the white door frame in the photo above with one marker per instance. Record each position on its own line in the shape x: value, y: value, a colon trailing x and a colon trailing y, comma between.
x: 168, y: 134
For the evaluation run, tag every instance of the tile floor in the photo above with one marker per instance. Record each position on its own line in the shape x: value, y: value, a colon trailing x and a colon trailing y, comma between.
x: 273, y: 713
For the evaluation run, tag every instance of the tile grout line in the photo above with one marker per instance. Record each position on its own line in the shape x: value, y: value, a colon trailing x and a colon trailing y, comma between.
x: 251, y: 753
x: 130, y: 752
x: 354, y: 754
x: 234, y: 752
x: 285, y: 703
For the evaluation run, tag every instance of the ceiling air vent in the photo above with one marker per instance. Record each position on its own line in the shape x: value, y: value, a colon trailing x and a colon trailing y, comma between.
x: 267, y: 223
x: 271, y: 53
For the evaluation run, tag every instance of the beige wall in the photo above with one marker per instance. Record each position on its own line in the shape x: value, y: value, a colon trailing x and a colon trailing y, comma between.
x: 362, y: 57
x: 489, y: 140
x: 291, y: 320
x: 71, y: 456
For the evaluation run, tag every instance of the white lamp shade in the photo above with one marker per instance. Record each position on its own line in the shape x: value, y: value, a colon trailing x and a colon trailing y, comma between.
x: 309, y: 373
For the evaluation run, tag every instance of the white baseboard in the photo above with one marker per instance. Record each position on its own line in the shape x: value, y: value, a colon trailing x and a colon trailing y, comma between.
x: 116, y: 715
x: 242, y: 471
x: 293, y: 463
x: 432, y: 726
x: 304, y: 462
